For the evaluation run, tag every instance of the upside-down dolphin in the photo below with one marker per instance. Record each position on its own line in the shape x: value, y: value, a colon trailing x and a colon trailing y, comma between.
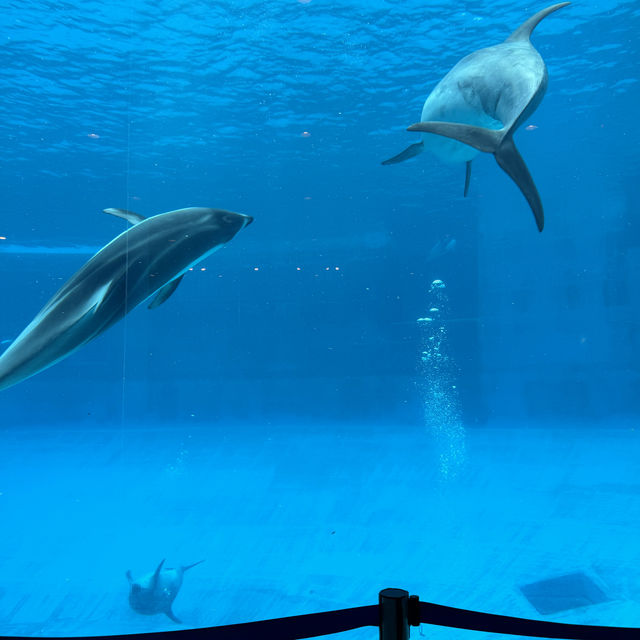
x: 155, y: 593
x: 149, y: 258
x: 481, y: 102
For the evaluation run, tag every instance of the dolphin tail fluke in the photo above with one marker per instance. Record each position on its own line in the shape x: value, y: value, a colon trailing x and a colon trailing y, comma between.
x: 190, y: 566
x: 172, y: 616
x: 410, y: 152
x: 500, y: 143
x: 156, y: 575
x: 524, y: 31
x: 513, y: 165
x: 467, y: 178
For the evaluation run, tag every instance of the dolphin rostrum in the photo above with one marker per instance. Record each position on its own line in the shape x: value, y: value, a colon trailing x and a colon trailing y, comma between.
x: 148, y: 258
x: 155, y: 592
x: 481, y: 102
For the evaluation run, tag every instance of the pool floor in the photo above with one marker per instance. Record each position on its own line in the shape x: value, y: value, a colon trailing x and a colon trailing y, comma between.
x: 294, y: 519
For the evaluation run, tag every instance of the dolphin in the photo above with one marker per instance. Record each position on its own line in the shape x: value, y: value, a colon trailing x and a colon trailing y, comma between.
x: 149, y: 258
x: 481, y: 102
x: 155, y: 592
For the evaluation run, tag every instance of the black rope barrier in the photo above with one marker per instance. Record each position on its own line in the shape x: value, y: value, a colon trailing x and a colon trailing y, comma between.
x: 442, y: 616
x: 290, y: 628
x: 394, y: 614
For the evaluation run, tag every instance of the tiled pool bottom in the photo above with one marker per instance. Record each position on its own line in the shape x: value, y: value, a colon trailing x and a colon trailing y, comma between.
x: 301, y: 518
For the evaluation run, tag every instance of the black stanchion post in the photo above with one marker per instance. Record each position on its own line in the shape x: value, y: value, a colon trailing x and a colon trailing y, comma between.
x: 394, y: 614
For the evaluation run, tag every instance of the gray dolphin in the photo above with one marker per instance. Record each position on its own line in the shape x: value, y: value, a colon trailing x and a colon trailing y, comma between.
x: 480, y: 103
x: 155, y: 592
x: 149, y: 258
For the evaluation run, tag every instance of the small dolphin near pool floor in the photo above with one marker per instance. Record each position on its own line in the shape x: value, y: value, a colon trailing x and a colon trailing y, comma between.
x: 302, y: 518
x: 155, y: 592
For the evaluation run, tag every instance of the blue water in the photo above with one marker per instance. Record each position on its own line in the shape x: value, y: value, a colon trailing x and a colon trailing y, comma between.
x: 287, y: 389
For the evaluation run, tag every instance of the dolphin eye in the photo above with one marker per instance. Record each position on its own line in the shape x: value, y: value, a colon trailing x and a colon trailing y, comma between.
x: 227, y: 218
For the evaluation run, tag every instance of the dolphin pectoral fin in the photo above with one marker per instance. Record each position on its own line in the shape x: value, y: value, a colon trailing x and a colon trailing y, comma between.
x: 165, y: 292
x: 172, y: 616
x: 467, y: 178
x: 410, y: 152
x: 129, y: 216
x: 480, y: 138
x: 190, y: 566
x: 513, y: 165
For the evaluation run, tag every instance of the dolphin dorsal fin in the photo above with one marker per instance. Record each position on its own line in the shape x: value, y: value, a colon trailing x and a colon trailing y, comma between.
x: 129, y: 216
x: 524, y: 31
